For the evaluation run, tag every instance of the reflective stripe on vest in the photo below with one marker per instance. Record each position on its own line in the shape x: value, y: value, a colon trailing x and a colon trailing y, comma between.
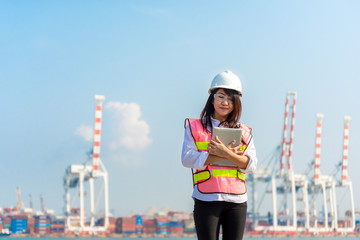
x: 205, y: 175
x: 217, y: 179
x: 201, y: 176
x: 203, y: 146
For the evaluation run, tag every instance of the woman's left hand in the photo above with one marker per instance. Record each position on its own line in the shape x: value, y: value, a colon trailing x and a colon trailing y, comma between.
x: 216, y: 147
x: 235, y: 150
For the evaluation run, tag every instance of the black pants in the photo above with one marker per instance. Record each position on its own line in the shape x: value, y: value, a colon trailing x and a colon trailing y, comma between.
x: 208, y: 217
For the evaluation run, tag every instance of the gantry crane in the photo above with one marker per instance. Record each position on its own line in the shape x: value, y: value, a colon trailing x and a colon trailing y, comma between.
x: 19, y: 204
x: 283, y: 182
x: 324, y: 185
x: 286, y: 174
x: 345, y: 181
x: 75, y: 177
x: 302, y: 188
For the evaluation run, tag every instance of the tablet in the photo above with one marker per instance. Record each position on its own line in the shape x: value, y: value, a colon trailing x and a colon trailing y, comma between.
x: 226, y: 136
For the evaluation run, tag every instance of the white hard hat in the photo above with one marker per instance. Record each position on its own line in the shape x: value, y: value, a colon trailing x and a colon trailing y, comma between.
x: 228, y: 80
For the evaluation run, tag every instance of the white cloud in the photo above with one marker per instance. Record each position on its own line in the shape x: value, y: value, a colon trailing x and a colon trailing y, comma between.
x: 86, y: 132
x: 129, y: 130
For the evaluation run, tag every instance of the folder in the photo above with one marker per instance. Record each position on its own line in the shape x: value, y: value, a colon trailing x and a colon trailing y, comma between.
x: 226, y: 136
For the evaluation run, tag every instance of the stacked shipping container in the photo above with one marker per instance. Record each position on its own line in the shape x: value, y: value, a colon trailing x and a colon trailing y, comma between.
x: 7, y: 223
x: 176, y: 228
x: 42, y: 225
x: 149, y: 226
x: 162, y: 226
x: 112, y: 224
x: 31, y: 225
x: 57, y: 226
x: 135, y: 225
x: 126, y: 225
x: 139, y: 225
x: 189, y: 226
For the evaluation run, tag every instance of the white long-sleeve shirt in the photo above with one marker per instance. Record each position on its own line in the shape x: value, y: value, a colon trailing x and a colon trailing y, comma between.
x: 191, y: 158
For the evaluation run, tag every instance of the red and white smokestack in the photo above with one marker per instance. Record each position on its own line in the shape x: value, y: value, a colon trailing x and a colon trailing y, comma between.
x: 344, y: 169
x: 292, y: 129
x: 319, y: 119
x: 284, y: 143
x: 99, y: 99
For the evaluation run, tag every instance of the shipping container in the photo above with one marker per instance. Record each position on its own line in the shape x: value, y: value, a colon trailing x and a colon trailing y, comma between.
x: 41, y: 224
x: 139, y: 230
x: 148, y: 230
x: 31, y: 228
x: 19, y: 216
x: 31, y: 220
x: 149, y: 226
x: 42, y: 231
x: 7, y: 225
x: 163, y: 232
x: 56, y: 221
x: 125, y: 224
x: 18, y: 225
x: 176, y: 230
x: 100, y: 222
x: 138, y: 224
x: 42, y: 218
x: 139, y: 220
x: 111, y: 228
x: 162, y: 226
x: 177, y: 224
x: 42, y: 221
x: 6, y: 220
x: 57, y: 230
x: 56, y: 225
x: 189, y: 226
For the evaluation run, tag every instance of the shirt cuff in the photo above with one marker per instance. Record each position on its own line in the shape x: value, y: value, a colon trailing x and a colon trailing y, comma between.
x: 202, y: 159
x: 247, y: 169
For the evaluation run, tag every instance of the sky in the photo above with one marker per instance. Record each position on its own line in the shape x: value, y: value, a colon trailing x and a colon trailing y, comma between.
x: 154, y: 62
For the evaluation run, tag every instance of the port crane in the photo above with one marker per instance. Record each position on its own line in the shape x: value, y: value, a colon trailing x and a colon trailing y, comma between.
x: 345, y: 182
x: 31, y: 203
x: 77, y: 175
x: 19, y: 203
x: 282, y: 181
x: 324, y: 185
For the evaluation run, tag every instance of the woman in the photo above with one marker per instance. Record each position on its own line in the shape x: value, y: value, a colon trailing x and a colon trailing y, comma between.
x: 219, y: 191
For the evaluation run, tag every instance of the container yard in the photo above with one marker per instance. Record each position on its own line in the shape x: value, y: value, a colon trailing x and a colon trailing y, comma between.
x: 299, y: 204
x: 131, y: 226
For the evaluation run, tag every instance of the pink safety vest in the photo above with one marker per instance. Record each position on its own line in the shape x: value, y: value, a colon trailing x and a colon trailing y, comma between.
x: 217, y: 179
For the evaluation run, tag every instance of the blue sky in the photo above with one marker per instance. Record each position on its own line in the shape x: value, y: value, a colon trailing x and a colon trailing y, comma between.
x: 154, y: 61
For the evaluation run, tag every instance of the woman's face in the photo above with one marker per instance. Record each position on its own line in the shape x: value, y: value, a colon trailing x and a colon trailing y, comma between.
x: 223, y: 105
